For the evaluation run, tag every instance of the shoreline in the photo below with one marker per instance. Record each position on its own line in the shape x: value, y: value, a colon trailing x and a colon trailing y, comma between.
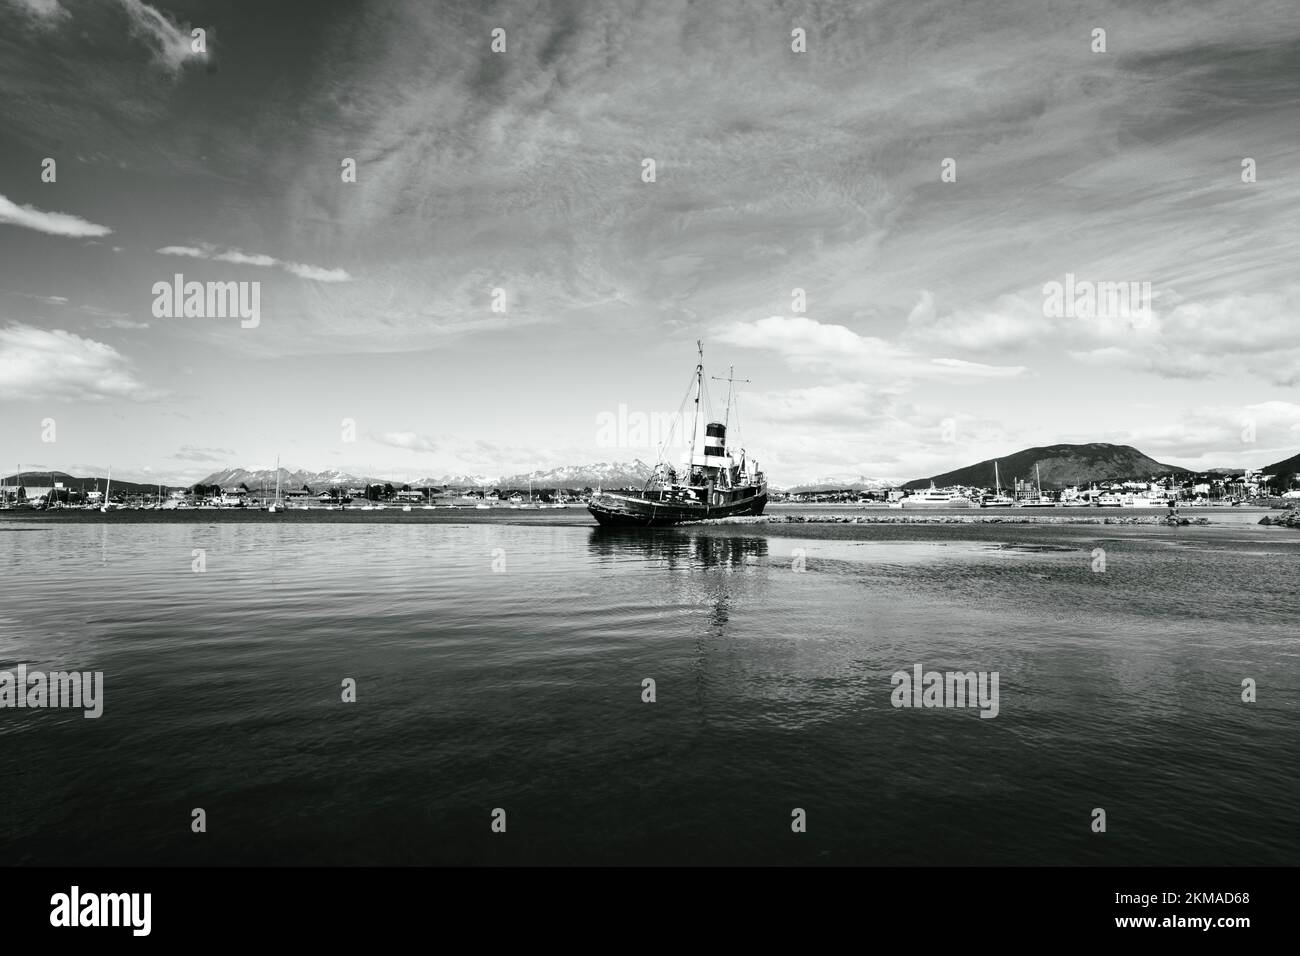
x: 580, y: 517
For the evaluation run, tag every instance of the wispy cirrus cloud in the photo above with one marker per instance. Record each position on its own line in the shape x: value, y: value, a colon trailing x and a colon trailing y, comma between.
x: 50, y: 223
x: 260, y: 260
x: 463, y: 455
x: 1010, y: 323
x: 173, y: 44
x: 807, y: 344
x: 411, y: 441
x: 47, y: 299
x: 247, y: 259
x: 316, y: 273
x: 44, y: 12
x: 120, y: 322
x: 55, y: 364
x: 1244, y: 336
x: 204, y: 455
x: 101, y: 317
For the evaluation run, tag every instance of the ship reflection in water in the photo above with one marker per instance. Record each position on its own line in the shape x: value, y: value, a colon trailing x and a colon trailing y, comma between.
x: 712, y: 563
x: 677, y: 549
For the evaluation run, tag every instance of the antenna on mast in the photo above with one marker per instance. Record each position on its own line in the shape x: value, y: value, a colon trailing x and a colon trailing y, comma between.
x: 731, y: 381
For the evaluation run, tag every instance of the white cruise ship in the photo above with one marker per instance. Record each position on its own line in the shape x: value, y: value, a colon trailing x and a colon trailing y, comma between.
x: 934, y: 498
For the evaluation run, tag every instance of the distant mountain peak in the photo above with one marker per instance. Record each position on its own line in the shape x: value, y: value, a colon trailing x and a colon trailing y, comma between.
x: 1060, y: 465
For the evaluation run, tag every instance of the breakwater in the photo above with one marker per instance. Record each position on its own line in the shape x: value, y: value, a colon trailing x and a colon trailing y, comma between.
x: 1168, y: 520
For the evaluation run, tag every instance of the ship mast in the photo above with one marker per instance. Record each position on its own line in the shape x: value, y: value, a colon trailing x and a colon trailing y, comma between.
x: 731, y: 381
x: 699, y: 388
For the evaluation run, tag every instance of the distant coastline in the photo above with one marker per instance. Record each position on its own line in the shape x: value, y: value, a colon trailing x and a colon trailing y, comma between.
x: 1045, y: 475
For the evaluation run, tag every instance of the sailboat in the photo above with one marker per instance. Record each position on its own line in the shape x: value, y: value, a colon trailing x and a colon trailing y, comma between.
x: 997, y: 499
x: 275, y: 505
x: 1038, y: 501
x: 103, y: 509
x: 717, y: 484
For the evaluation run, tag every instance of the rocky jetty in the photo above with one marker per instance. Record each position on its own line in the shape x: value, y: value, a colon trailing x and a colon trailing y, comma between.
x: 1168, y: 520
x: 1290, y: 519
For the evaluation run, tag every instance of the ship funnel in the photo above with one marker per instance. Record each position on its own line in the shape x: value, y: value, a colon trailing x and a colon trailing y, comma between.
x: 715, y: 440
x: 715, y: 447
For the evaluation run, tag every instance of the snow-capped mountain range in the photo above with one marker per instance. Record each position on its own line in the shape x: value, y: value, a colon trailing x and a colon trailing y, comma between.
x: 603, y: 473
x: 861, y: 483
x: 598, y: 474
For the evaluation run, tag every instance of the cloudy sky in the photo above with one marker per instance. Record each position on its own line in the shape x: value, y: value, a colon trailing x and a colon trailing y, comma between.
x: 925, y: 343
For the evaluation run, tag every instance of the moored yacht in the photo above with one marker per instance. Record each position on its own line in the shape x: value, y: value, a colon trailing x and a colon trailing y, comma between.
x: 1038, y: 500
x: 997, y: 499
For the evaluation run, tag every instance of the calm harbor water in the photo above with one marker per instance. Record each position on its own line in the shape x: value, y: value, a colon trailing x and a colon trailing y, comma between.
x: 499, y: 663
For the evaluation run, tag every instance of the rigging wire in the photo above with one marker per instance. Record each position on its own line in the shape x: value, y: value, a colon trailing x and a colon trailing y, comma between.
x: 672, y: 429
x: 735, y: 403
